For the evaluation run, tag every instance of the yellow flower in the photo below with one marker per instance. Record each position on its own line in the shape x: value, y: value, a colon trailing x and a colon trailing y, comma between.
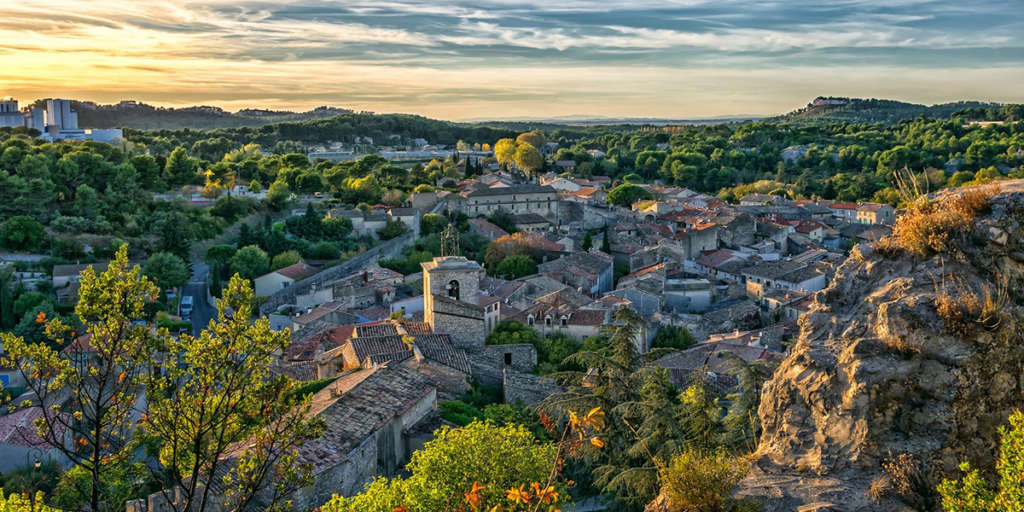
x: 597, y: 442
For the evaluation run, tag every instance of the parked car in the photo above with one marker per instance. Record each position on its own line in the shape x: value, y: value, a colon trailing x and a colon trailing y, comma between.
x: 185, y: 307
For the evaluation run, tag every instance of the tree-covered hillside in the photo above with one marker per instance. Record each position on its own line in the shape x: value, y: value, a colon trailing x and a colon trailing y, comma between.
x: 826, y: 110
x: 130, y: 114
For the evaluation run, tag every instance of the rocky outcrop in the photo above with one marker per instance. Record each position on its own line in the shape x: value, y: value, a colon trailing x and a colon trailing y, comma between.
x: 878, y: 372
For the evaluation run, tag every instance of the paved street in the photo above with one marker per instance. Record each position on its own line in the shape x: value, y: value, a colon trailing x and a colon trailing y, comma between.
x: 202, y: 312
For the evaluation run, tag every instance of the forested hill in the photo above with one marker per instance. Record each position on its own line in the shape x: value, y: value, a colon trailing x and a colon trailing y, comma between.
x: 828, y: 110
x: 130, y: 114
x: 381, y: 128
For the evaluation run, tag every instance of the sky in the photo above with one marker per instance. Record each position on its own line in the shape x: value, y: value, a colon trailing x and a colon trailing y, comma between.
x: 500, y: 59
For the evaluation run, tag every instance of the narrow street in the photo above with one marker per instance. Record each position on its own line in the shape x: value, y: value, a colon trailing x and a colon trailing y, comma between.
x: 202, y: 311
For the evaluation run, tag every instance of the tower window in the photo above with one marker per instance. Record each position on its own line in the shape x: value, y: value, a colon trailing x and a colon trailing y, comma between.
x: 453, y: 289
x: 529, y: 320
x: 547, y: 321
x: 508, y: 358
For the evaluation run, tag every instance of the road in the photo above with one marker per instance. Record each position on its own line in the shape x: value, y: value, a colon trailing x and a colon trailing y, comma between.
x: 202, y: 311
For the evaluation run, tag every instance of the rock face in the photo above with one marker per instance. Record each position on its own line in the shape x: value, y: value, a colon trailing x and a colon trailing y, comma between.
x: 878, y: 372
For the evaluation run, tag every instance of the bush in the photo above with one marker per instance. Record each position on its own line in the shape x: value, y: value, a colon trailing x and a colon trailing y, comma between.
x: 974, y: 494
x: 697, y: 482
x: 931, y: 227
x: 392, y: 229
x: 324, y: 251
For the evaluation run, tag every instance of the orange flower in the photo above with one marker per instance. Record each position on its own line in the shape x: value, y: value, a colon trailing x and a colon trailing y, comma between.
x: 546, y: 495
x: 41, y: 317
x: 473, y: 496
x: 597, y: 442
x: 401, y: 508
x: 518, y: 496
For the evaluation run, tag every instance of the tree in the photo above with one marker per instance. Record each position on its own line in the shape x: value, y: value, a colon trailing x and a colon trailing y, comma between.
x: 220, y: 254
x: 588, y: 242
x: 974, y: 494
x: 180, y: 168
x: 8, y: 304
x: 22, y: 233
x: 516, y: 266
x: 673, y: 336
x: 278, y: 194
x: 285, y: 259
x: 98, y: 385
x: 534, y: 138
x: 480, y: 458
x: 527, y: 244
x: 432, y: 223
x: 627, y: 194
x: 505, y: 151
x: 528, y: 158
x: 392, y: 229
x: 606, y: 245
x: 224, y: 394
x: 250, y: 262
x: 512, y: 332
x: 166, y: 270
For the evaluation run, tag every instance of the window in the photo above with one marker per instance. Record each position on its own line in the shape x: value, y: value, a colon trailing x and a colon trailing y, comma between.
x: 565, y: 321
x: 529, y: 320
x: 547, y: 321
x: 508, y: 358
x: 453, y: 289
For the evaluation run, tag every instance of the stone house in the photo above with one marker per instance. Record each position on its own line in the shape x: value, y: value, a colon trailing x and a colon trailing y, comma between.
x: 515, y: 199
x: 688, y: 295
x: 592, y: 272
x: 486, y: 229
x: 451, y: 299
x: 875, y: 213
x: 530, y: 222
x: 408, y: 216
x: 268, y: 284
x: 371, y: 415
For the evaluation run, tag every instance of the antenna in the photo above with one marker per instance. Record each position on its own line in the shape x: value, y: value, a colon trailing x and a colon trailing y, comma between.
x: 450, y: 241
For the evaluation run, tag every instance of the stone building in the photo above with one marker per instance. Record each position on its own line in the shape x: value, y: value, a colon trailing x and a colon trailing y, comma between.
x: 370, y: 416
x: 515, y: 199
x: 451, y: 299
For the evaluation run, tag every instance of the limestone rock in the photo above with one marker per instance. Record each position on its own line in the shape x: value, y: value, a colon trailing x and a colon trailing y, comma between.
x: 876, y: 372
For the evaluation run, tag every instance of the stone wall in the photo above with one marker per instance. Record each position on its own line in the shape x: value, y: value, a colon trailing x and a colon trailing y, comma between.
x: 527, y: 388
x: 488, y: 363
x: 390, y: 249
x: 464, y: 322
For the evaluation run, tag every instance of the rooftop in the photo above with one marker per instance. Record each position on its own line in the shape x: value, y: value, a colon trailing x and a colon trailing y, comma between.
x: 515, y: 189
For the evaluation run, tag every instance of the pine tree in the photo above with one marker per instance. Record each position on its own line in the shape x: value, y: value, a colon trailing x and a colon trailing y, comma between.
x: 606, y: 245
x: 588, y: 242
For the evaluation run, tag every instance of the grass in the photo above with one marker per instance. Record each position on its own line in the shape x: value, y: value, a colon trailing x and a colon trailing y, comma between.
x: 932, y: 227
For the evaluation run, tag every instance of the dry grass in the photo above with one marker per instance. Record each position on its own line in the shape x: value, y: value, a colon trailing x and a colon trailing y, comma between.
x: 964, y: 308
x: 933, y: 226
x: 904, y: 477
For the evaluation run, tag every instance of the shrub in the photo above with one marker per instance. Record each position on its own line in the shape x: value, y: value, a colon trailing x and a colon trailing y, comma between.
x: 931, y: 227
x: 698, y: 482
x: 904, y: 478
x: 974, y: 494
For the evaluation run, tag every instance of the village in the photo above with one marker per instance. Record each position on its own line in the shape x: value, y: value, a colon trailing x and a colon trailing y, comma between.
x: 736, y: 276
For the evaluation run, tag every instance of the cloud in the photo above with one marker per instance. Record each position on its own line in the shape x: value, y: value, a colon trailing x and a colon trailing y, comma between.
x: 505, y: 56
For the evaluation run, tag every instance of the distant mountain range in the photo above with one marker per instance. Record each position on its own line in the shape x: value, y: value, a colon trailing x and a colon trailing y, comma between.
x: 821, y: 110
x: 827, y: 110
x: 132, y: 114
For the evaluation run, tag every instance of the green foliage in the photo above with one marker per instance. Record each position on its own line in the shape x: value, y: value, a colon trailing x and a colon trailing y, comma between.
x: 697, y: 481
x: 126, y: 481
x: 495, y: 457
x: 392, y: 229
x: 284, y: 259
x: 516, y: 266
x: 250, y: 262
x: 432, y: 223
x: 672, y: 336
x: 22, y: 233
x: 17, y: 502
x: 166, y: 270
x: 29, y: 479
x: 973, y: 493
x: 627, y: 194
x: 510, y: 332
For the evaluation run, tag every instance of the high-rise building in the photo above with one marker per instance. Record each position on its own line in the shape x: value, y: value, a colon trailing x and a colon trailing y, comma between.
x: 59, y: 116
x: 36, y: 119
x: 9, y: 113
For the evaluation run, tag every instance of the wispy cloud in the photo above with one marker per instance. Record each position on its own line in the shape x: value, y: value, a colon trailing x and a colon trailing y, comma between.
x: 503, y: 58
